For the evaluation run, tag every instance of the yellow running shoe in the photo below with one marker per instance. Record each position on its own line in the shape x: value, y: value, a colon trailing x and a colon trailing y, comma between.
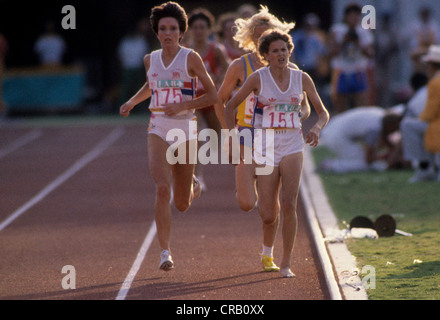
x: 268, y: 265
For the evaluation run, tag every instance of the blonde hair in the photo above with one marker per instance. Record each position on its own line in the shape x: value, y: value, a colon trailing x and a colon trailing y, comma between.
x: 246, y: 27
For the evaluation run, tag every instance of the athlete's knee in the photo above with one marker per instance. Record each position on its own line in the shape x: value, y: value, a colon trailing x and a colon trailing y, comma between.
x: 288, y: 204
x: 181, y: 204
x: 163, y: 192
x: 247, y: 204
x: 268, y: 214
x: 269, y: 219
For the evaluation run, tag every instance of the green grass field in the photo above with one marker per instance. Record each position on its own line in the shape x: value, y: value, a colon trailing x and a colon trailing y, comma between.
x: 407, y: 268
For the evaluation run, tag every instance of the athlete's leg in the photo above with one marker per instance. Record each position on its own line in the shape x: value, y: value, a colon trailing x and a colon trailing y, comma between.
x: 161, y: 173
x: 184, y: 187
x: 269, y: 209
x: 268, y: 205
x: 198, y: 170
x: 290, y: 171
x: 245, y: 182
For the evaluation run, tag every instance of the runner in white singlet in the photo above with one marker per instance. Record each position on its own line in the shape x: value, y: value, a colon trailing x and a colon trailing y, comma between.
x: 278, y: 90
x: 172, y: 73
x: 248, y: 32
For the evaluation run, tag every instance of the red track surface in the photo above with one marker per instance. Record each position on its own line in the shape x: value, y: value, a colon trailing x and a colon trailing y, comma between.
x: 98, y: 219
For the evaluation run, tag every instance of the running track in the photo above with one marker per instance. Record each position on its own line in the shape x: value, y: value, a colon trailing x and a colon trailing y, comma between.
x: 82, y: 196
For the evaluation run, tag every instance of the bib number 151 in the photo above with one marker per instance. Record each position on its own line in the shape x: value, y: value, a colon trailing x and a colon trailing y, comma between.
x: 277, y: 119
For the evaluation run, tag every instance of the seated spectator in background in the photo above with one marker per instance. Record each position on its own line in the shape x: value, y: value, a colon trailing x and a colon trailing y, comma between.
x: 421, y: 137
x: 412, y: 111
x: 351, y: 48
x: 362, y: 140
x: 415, y: 106
x: 50, y: 47
x: 423, y: 33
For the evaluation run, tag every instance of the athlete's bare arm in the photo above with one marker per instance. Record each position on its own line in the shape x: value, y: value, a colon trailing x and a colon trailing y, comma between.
x: 143, y: 94
x: 252, y: 84
x: 312, y: 137
x: 233, y: 77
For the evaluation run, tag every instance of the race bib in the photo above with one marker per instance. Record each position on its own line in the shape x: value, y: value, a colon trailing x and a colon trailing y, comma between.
x: 165, y: 92
x: 282, y: 116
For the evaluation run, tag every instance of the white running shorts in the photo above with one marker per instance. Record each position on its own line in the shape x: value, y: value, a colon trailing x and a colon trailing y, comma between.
x: 272, y: 145
x: 182, y: 129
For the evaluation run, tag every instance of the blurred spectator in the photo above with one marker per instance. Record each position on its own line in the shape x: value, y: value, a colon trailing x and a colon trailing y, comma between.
x: 421, y: 135
x: 132, y: 50
x: 246, y: 11
x: 387, y: 51
x: 351, y: 48
x: 416, y: 104
x: 226, y: 33
x: 362, y: 139
x: 50, y: 47
x: 3, y: 51
x: 423, y: 33
x: 310, y: 52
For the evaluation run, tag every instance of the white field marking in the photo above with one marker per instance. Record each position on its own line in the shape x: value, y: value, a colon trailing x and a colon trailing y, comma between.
x: 81, y: 163
x: 17, y: 144
x: 137, y: 263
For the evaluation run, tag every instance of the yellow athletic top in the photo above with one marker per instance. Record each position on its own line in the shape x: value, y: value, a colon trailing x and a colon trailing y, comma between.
x: 246, y: 108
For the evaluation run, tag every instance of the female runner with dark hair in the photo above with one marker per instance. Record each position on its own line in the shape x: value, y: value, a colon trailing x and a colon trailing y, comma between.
x: 279, y: 90
x: 172, y: 74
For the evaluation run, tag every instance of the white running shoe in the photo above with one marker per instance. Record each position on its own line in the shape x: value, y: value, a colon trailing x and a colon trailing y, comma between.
x: 166, y: 262
x: 203, y: 186
x: 197, y: 187
x: 287, y: 273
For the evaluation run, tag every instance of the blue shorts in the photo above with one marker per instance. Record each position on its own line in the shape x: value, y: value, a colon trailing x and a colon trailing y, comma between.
x: 352, y: 82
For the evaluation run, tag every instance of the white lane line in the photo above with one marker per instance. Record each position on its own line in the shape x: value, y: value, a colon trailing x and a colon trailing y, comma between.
x: 17, y: 144
x: 81, y: 163
x: 137, y: 263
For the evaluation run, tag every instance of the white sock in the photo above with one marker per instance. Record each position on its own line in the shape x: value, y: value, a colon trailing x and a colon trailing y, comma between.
x: 267, y: 251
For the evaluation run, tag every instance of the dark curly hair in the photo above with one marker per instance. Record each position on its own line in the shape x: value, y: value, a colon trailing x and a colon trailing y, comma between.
x: 270, y: 36
x: 169, y: 10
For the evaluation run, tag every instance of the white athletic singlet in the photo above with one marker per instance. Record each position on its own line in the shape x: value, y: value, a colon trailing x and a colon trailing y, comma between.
x: 275, y: 109
x: 280, y: 111
x: 172, y: 84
